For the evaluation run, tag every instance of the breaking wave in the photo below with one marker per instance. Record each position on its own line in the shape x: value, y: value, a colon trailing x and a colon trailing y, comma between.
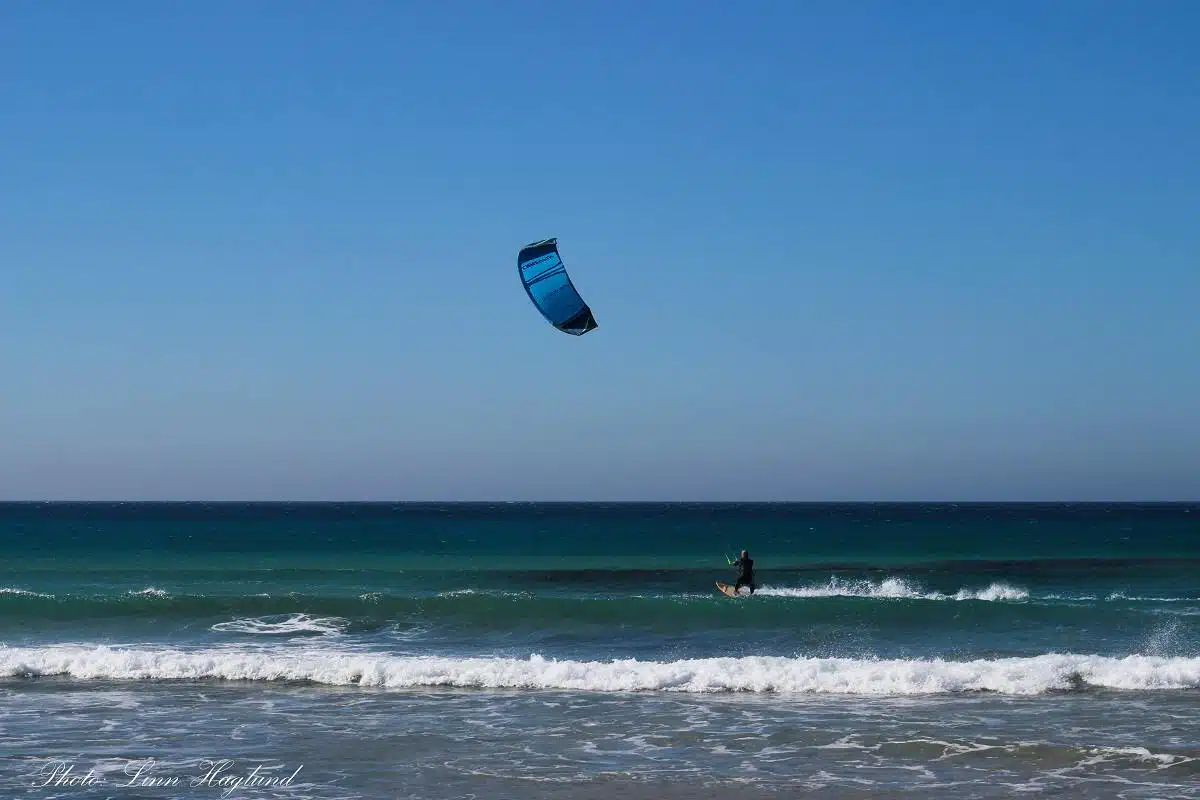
x: 758, y: 674
x: 895, y: 588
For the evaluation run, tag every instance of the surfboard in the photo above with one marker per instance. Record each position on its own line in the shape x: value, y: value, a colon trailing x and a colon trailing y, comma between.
x: 726, y: 589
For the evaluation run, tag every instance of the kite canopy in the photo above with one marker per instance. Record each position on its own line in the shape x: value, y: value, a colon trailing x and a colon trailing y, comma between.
x: 548, y: 286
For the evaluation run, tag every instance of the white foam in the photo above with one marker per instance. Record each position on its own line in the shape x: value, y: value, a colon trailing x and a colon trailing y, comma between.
x: 1101, y: 754
x: 467, y: 592
x: 894, y: 589
x: 1021, y: 676
x: 150, y: 592
x: 295, y: 623
x: 23, y: 592
x: 1122, y: 596
x: 995, y: 592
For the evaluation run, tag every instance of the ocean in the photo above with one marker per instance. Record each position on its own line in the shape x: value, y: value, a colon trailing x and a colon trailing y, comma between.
x: 525, y: 650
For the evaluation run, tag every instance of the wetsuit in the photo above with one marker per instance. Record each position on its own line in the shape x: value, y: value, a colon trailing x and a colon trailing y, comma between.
x: 745, y: 568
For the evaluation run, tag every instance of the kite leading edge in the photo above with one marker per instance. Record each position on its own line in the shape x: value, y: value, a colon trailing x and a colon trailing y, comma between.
x: 549, y: 287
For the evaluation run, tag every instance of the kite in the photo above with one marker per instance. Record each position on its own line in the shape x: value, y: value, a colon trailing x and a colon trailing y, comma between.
x: 546, y: 282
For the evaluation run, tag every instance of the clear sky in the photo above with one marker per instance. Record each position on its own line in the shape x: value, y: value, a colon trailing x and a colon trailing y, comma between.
x: 837, y: 250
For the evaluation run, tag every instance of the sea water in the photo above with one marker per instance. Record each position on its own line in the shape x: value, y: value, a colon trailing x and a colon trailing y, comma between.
x: 576, y: 650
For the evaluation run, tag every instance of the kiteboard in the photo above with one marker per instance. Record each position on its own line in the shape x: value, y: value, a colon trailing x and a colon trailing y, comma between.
x: 727, y: 589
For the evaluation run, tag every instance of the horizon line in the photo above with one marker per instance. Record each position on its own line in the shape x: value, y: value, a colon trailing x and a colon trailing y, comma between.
x: 264, y: 501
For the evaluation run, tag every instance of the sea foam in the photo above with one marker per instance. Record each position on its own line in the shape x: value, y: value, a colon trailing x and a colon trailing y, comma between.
x: 894, y: 588
x: 759, y: 674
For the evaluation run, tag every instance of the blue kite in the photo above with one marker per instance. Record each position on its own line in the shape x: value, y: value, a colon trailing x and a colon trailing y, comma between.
x: 546, y: 282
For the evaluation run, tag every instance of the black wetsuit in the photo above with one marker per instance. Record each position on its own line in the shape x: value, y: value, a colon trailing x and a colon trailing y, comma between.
x: 745, y: 568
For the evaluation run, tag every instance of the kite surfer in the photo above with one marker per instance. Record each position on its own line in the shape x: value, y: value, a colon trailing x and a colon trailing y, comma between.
x: 745, y: 567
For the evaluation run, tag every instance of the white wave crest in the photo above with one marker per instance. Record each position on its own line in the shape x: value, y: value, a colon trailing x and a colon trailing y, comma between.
x: 894, y: 589
x: 23, y: 592
x: 275, y: 625
x: 995, y: 592
x: 1020, y: 676
x: 149, y: 591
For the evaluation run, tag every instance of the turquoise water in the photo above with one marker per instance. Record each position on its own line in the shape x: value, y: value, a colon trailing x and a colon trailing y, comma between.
x: 915, y: 647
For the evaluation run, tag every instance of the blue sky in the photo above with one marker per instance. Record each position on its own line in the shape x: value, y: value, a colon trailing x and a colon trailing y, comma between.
x: 837, y: 250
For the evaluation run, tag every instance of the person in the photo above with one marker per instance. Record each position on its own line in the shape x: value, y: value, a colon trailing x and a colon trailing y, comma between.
x: 745, y: 568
